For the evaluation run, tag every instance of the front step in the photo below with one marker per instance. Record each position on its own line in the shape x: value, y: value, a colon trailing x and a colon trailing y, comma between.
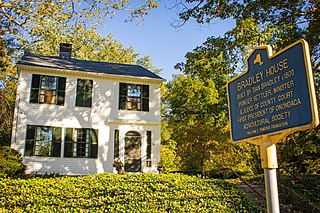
x: 255, y: 197
x: 258, y: 200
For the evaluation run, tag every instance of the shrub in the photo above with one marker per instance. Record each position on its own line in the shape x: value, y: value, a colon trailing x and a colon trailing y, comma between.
x: 168, y: 159
x: 122, y: 193
x: 10, y: 163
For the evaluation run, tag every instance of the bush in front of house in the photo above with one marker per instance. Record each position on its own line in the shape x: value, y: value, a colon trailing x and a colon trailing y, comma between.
x: 122, y: 193
x: 10, y: 163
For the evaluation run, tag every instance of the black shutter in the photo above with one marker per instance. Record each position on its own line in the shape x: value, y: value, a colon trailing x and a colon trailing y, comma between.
x: 79, y: 94
x: 88, y: 92
x: 116, y: 143
x: 84, y: 93
x: 148, y: 144
x: 61, y: 90
x: 145, y: 98
x: 35, y: 85
x: 94, y: 143
x: 68, y: 142
x: 56, y: 142
x: 123, y: 96
x: 30, y: 136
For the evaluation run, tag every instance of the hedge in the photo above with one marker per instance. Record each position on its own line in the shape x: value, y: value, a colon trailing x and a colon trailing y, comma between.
x: 122, y: 193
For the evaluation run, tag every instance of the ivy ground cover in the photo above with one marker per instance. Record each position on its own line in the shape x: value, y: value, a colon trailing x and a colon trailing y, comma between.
x: 122, y: 193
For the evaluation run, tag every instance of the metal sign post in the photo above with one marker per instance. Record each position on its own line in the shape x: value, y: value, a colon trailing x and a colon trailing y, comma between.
x: 272, y: 99
x: 269, y: 163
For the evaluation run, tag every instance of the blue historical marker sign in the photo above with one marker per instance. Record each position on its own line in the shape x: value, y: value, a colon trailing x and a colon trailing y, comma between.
x: 276, y: 93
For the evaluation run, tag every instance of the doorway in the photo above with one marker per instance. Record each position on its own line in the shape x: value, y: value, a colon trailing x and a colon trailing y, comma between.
x: 132, y: 157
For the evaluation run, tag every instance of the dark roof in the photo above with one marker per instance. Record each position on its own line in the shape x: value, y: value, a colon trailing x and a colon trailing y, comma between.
x: 86, y: 66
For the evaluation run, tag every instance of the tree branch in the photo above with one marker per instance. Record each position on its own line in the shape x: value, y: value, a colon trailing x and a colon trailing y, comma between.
x: 9, y: 17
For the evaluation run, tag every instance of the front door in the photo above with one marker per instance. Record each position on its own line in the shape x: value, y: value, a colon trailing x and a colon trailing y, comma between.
x: 132, y: 158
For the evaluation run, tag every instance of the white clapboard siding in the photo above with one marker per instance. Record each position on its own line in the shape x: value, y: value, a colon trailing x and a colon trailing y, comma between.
x: 104, y: 116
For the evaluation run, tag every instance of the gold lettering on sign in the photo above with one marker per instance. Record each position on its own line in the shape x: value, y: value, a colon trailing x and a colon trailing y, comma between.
x: 252, y: 80
x: 281, y: 116
x: 284, y: 86
x: 265, y: 99
x: 288, y: 104
x: 274, y: 69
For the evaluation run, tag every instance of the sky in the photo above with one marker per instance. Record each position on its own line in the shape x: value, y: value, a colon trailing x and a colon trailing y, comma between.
x: 156, y: 36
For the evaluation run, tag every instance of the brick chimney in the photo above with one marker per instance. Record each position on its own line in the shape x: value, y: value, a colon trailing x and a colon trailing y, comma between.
x: 65, y: 50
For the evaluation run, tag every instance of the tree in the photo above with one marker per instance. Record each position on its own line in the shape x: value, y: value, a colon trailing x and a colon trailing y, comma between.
x: 7, y: 92
x: 24, y: 14
x: 197, y: 114
x: 282, y: 21
x: 87, y: 44
x: 276, y: 23
x: 25, y: 23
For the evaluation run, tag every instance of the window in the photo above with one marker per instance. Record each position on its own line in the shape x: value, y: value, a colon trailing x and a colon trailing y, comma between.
x: 148, y: 144
x: 81, y: 143
x: 47, y: 89
x: 84, y: 93
x: 134, y: 97
x: 116, y: 143
x: 43, y: 141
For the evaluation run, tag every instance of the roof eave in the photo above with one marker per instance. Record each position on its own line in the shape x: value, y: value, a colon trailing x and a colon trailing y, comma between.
x: 95, y: 74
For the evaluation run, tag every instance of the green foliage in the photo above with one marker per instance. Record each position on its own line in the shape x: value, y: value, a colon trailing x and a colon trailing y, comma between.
x: 257, y: 22
x: 41, y: 26
x: 7, y: 89
x: 197, y: 115
x: 301, y: 191
x: 10, y: 163
x: 168, y: 159
x: 300, y: 152
x: 122, y: 193
x: 25, y: 14
x: 87, y: 44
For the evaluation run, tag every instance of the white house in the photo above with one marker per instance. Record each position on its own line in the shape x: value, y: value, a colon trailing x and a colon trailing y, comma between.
x: 76, y: 116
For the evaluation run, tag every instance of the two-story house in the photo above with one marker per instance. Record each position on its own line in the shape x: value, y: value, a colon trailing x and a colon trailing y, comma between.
x: 76, y: 116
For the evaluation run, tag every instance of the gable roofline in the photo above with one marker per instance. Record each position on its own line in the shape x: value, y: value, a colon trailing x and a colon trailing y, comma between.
x: 52, y: 63
x: 64, y: 72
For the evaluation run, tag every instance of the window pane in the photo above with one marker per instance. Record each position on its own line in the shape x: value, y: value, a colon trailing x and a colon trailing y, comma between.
x: 48, y: 82
x: 43, y: 141
x: 43, y: 148
x: 47, y: 89
x: 134, y: 97
x: 132, y: 133
x: 48, y: 96
x: 83, y: 138
x: 134, y: 90
x: 133, y: 103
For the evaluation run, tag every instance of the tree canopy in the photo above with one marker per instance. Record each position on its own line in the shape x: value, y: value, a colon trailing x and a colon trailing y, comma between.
x: 275, y: 23
x: 282, y: 21
x: 87, y: 44
x: 39, y: 27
